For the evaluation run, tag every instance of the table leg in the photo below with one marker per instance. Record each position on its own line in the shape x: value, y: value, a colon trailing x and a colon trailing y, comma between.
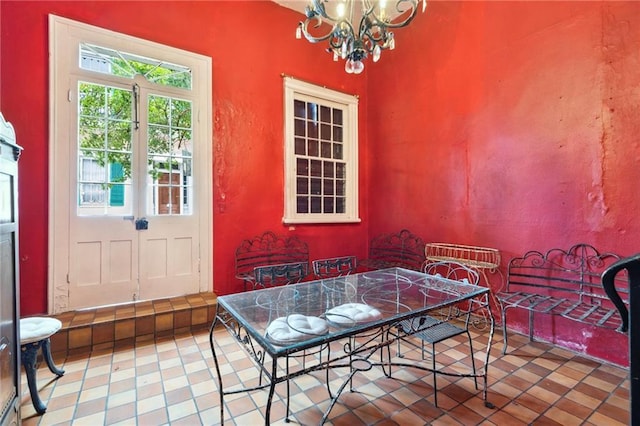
x: 272, y: 388
x: 215, y: 362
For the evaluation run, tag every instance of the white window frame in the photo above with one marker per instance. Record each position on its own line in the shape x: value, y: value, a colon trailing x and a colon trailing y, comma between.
x: 297, y: 89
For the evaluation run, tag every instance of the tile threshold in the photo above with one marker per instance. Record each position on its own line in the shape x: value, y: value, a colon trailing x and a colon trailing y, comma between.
x: 87, y: 330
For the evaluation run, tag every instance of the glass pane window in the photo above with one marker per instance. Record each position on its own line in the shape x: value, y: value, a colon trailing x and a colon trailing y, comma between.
x: 170, y: 156
x: 104, y: 150
x: 115, y: 62
x: 321, y: 196
x: 320, y: 154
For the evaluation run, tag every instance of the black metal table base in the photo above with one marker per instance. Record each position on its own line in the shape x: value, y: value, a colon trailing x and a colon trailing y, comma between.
x: 357, y: 357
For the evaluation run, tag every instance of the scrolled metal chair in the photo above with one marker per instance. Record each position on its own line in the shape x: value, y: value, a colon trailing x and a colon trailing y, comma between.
x: 334, y: 267
x: 281, y: 274
x: 435, y: 329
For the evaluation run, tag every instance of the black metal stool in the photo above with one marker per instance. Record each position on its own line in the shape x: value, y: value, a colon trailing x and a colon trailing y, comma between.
x: 34, y: 334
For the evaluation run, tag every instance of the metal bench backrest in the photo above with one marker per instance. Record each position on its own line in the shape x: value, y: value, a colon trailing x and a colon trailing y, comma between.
x: 402, y: 250
x: 575, y: 274
x: 269, y: 249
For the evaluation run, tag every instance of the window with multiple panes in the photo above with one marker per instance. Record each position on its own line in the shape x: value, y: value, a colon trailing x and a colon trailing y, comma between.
x: 108, y: 120
x: 321, y: 148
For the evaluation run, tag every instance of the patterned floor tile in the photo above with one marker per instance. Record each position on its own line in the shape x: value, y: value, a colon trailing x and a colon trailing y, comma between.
x: 174, y: 382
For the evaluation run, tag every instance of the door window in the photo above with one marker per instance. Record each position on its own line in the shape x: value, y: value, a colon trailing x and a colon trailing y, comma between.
x: 169, y: 156
x: 104, y: 150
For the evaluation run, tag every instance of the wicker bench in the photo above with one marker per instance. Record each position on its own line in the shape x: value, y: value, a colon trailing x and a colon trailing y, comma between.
x: 566, y: 283
x: 267, y: 249
x: 402, y: 249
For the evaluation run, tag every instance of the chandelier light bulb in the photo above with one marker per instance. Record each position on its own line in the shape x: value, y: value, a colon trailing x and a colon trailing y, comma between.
x: 348, y: 66
x: 357, y: 66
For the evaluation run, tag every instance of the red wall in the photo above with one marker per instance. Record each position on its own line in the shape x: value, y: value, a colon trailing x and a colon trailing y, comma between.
x: 251, y: 44
x: 511, y: 125
x: 518, y: 129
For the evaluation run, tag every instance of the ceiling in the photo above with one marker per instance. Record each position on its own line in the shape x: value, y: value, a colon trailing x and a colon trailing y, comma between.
x: 300, y: 5
x: 297, y: 5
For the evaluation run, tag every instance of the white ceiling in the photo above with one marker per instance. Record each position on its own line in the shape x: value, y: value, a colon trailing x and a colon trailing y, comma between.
x: 300, y: 5
x: 297, y: 5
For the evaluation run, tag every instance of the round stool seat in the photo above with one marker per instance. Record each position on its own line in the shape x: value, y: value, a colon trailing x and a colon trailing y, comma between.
x: 37, y: 328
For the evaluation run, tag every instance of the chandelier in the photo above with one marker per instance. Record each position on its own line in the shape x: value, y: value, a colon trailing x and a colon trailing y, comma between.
x: 356, y: 33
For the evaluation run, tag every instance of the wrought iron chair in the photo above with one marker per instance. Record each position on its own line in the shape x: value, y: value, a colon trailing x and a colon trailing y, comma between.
x: 334, y: 267
x: 437, y: 328
x: 281, y: 274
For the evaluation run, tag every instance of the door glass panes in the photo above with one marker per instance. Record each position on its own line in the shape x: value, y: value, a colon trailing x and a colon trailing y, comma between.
x: 169, y: 156
x: 104, y: 150
x: 123, y: 64
x: 320, y: 166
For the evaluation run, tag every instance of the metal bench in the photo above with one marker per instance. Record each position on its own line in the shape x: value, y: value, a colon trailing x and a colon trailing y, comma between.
x: 402, y: 250
x: 267, y: 249
x: 565, y: 283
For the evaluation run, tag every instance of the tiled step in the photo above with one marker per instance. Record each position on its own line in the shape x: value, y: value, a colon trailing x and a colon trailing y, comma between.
x: 123, y: 325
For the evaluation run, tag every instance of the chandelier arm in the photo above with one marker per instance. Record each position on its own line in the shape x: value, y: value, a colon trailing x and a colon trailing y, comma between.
x: 370, y: 33
x: 317, y: 9
x: 377, y: 21
x: 315, y: 39
x: 413, y: 8
x: 369, y: 41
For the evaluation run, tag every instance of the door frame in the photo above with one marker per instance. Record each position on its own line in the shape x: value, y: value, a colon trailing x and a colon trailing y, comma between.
x: 58, y: 233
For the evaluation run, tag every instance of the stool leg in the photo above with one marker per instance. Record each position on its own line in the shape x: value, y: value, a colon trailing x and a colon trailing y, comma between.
x: 28, y: 355
x: 46, y: 352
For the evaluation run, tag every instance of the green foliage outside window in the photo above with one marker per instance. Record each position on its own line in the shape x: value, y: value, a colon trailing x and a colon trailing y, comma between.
x: 106, y: 124
x: 106, y: 118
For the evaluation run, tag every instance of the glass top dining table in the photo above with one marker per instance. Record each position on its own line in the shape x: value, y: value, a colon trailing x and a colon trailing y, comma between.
x: 384, y: 299
x: 397, y: 294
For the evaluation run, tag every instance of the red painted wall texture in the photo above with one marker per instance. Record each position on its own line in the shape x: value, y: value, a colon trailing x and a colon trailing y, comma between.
x: 511, y: 125
x: 251, y: 45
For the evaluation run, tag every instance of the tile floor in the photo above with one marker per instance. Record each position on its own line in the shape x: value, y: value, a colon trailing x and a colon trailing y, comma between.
x: 171, y: 381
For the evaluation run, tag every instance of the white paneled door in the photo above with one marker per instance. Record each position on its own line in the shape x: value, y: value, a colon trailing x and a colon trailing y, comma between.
x: 129, y: 207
